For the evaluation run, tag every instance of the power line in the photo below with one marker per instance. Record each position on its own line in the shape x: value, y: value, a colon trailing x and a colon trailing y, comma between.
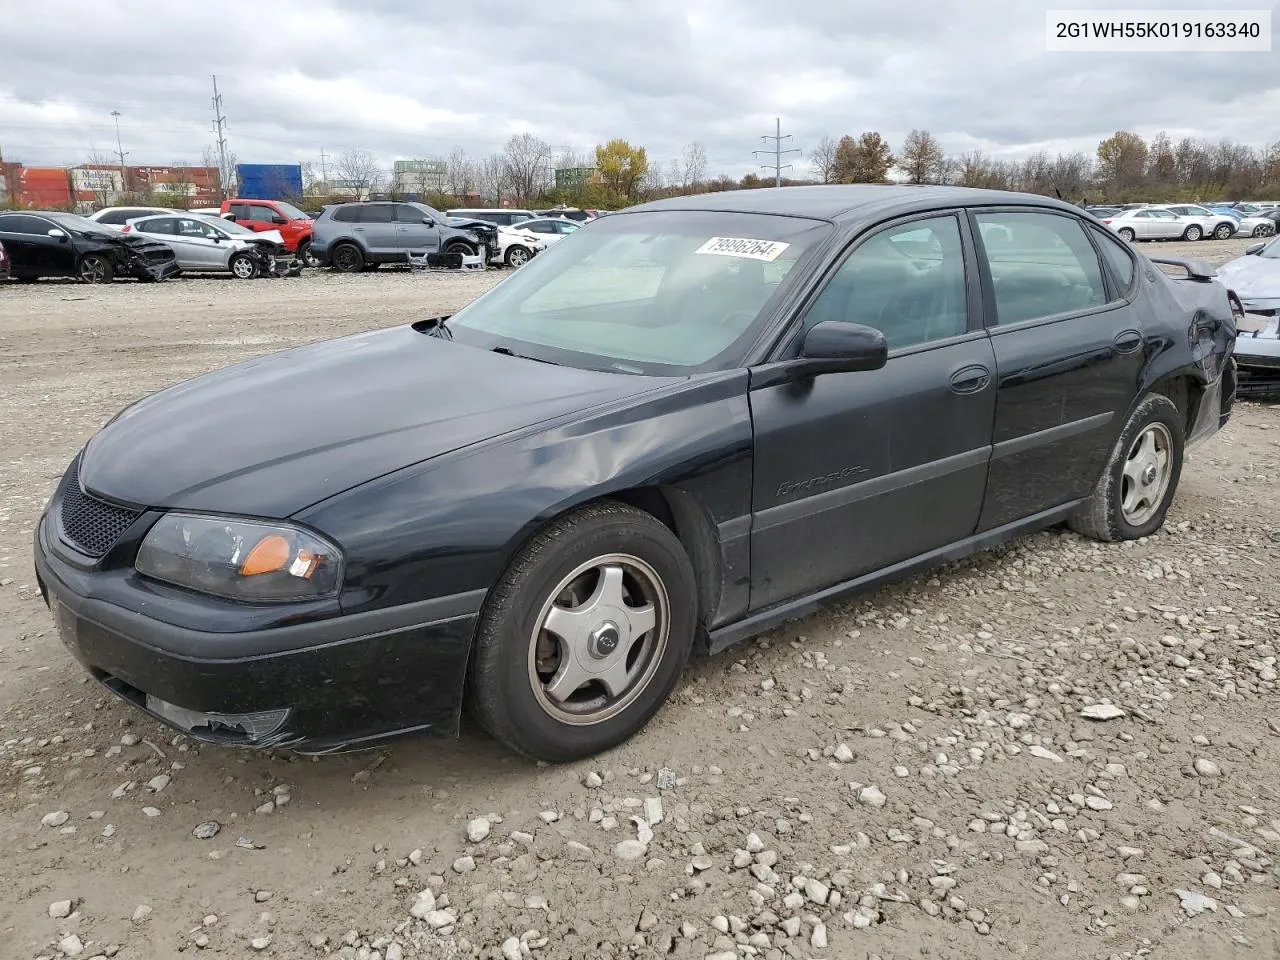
x: 777, y: 151
x: 220, y: 122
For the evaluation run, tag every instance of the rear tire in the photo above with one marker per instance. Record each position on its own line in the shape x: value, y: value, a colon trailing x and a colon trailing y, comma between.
x: 1138, y: 484
x: 347, y: 258
x: 1223, y: 232
x: 1192, y: 233
x: 304, y: 254
x: 1127, y: 234
x: 563, y: 693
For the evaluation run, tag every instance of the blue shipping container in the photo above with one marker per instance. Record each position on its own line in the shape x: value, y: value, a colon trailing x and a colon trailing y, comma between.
x: 269, y: 181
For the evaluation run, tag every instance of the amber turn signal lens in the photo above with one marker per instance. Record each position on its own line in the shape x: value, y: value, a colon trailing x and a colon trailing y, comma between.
x: 270, y: 555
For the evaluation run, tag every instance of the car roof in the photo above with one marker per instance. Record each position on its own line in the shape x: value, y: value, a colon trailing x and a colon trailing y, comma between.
x: 846, y: 202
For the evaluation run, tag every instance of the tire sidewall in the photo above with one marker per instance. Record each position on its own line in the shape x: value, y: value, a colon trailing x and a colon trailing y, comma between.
x: 336, y: 259
x: 1225, y: 232
x: 1154, y: 407
x: 1193, y: 233
x: 512, y: 250
x: 108, y: 274
x: 242, y: 258
x: 1127, y: 235
x: 504, y: 637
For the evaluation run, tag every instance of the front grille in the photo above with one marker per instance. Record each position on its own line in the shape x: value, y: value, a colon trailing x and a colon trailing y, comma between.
x: 91, y: 526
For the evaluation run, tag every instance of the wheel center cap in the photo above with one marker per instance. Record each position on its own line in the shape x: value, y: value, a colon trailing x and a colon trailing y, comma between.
x: 603, y: 640
x: 1149, y: 475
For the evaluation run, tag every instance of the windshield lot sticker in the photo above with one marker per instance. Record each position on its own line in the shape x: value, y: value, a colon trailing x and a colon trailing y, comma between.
x: 767, y: 250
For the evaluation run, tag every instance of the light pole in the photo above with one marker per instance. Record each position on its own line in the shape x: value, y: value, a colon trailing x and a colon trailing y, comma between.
x: 124, y: 186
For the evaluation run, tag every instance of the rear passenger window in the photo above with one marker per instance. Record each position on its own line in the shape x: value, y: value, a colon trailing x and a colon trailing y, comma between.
x: 376, y: 213
x: 345, y: 214
x: 1042, y: 264
x: 905, y: 281
x: 1116, y: 253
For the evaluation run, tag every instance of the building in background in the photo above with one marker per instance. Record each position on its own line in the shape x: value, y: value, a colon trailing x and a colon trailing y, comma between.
x: 95, y: 185
x: 180, y: 185
x: 45, y: 188
x: 572, y: 178
x: 418, y: 177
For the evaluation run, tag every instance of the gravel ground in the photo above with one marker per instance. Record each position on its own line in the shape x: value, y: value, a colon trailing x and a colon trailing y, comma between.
x: 1057, y: 749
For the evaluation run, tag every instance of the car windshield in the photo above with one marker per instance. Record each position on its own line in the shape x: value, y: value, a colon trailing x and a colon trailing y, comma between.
x: 229, y: 227
x: 292, y: 212
x: 660, y: 293
x: 1272, y: 250
x: 79, y: 224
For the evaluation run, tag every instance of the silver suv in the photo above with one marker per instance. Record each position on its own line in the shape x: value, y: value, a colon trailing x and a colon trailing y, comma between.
x: 352, y: 236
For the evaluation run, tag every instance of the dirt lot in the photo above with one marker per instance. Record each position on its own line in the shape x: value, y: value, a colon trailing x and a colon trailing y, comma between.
x: 906, y: 775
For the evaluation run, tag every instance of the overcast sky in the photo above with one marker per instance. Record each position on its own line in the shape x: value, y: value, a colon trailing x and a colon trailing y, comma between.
x: 408, y: 79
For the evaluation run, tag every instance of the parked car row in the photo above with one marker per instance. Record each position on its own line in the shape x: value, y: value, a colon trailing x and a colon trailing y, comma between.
x: 1188, y: 221
x: 49, y: 244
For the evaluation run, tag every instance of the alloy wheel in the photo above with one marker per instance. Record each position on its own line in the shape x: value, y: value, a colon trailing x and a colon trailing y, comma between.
x: 517, y: 256
x: 93, y: 269
x: 599, y: 639
x: 1146, y: 474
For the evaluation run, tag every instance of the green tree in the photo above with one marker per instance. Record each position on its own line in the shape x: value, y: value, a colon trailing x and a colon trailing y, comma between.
x: 622, y: 167
x: 1122, y: 160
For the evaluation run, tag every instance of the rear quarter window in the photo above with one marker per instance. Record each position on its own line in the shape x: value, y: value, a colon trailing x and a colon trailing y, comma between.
x: 1117, y: 256
x: 345, y: 215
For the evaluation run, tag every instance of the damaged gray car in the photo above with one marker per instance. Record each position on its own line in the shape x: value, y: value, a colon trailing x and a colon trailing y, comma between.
x: 1253, y: 284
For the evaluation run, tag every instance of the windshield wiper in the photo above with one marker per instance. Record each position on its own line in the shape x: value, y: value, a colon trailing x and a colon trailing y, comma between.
x: 508, y: 352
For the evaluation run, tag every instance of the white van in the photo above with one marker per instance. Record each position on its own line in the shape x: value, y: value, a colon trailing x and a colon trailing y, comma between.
x: 502, y: 216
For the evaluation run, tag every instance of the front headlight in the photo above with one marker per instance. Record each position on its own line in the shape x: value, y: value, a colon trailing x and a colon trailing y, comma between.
x: 240, y: 559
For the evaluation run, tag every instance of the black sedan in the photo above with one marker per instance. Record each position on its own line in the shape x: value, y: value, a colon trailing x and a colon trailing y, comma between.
x: 4, y: 263
x: 44, y: 244
x: 695, y: 420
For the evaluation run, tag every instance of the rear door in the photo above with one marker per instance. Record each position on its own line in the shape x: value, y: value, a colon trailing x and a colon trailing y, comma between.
x: 1069, y: 357
x: 378, y: 229
x: 203, y: 246
x: 855, y: 472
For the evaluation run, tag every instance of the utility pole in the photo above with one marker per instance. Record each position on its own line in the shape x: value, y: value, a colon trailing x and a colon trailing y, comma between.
x: 124, y: 177
x: 219, y: 123
x: 777, y: 151
x: 324, y: 169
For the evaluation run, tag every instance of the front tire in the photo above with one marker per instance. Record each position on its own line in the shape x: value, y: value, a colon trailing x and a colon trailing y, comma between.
x: 1223, y: 231
x: 517, y: 256
x: 94, y: 268
x: 243, y: 267
x: 584, y: 635
x: 1141, y: 477
x: 304, y: 254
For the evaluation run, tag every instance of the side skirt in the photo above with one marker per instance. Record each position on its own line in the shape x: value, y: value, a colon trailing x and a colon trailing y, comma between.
x: 765, y: 620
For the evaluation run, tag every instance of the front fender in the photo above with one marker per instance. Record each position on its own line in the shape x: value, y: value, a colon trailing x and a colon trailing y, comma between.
x: 452, y: 524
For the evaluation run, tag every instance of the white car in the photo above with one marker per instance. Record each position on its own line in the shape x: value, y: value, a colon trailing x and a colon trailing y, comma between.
x: 516, y: 248
x: 1201, y: 221
x: 550, y: 229
x: 1148, y: 223
x: 117, y: 217
x: 212, y: 245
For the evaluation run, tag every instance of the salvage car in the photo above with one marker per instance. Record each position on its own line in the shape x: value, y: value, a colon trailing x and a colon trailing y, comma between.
x: 350, y: 237
x: 701, y: 418
x: 212, y: 246
x: 43, y: 244
x: 515, y: 248
x: 1254, y: 283
x: 4, y: 264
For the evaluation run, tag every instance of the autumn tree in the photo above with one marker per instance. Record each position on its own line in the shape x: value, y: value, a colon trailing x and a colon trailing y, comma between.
x: 867, y: 159
x: 921, y: 158
x: 1162, y: 164
x: 1122, y: 160
x: 622, y: 167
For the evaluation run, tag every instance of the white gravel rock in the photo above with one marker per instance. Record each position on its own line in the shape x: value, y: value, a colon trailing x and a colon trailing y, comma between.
x: 55, y: 819
x: 629, y: 850
x: 478, y: 829
x: 753, y: 843
x: 70, y: 946
x: 871, y: 796
x: 1207, y: 768
x: 60, y: 909
x: 843, y: 753
x: 1102, y: 711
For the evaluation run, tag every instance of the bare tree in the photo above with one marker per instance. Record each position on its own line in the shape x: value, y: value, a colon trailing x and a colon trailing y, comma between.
x: 359, y: 168
x: 494, y: 177
x: 526, y: 158
x: 181, y: 184
x: 462, y: 174
x: 226, y: 174
x: 102, y: 180
x: 693, y: 165
x: 921, y: 158
x: 823, y: 159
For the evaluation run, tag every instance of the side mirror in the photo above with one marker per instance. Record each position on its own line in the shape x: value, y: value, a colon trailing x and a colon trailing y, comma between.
x: 215, y: 237
x: 428, y: 221
x: 1250, y: 251
x: 58, y: 234
x: 276, y: 218
x: 834, y: 346
x: 228, y: 216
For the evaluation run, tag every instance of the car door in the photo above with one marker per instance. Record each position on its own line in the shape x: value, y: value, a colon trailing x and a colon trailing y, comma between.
x: 415, y: 230
x: 858, y: 471
x: 377, y: 228
x: 1068, y: 354
x: 1166, y: 225
x: 204, y: 246
x: 1142, y: 224
x: 20, y: 234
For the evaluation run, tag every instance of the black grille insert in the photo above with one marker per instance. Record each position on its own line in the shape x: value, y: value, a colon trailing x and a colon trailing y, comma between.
x: 92, y: 526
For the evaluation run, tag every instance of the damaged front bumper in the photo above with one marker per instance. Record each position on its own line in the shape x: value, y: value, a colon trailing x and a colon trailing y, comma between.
x: 1258, y: 349
x: 200, y: 666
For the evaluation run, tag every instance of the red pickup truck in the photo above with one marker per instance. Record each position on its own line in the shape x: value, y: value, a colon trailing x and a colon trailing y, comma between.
x: 259, y: 215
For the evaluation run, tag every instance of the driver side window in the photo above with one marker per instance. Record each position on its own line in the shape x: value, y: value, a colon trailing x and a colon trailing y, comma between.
x: 907, y: 281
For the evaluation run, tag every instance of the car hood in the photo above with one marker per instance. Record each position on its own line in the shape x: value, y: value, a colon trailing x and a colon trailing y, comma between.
x: 274, y: 435
x: 1252, y: 278
x: 271, y: 236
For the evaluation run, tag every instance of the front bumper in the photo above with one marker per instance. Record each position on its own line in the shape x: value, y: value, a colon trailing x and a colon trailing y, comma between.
x: 153, y: 269
x: 336, y: 683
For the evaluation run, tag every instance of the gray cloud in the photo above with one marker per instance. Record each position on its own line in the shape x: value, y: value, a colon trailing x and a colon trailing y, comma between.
x: 405, y: 79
